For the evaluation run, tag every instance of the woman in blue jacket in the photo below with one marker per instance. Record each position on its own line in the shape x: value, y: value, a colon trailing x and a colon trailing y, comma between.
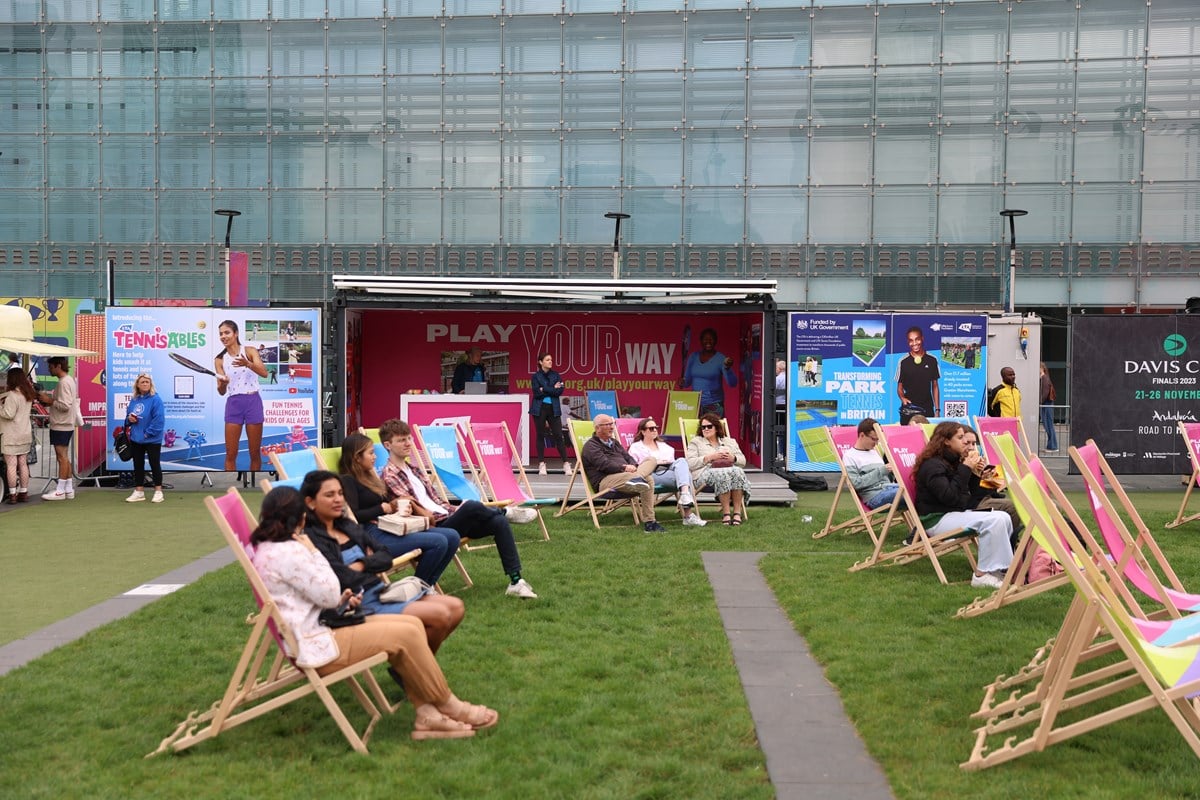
x: 547, y: 387
x: 146, y: 423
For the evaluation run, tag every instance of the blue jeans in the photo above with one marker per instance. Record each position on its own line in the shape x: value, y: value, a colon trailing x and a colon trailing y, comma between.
x: 1048, y: 424
x: 881, y: 498
x: 373, y: 605
x: 437, y: 545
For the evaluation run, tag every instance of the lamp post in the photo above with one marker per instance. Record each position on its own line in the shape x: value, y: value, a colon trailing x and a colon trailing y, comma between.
x: 229, y: 214
x: 1012, y: 214
x: 618, y: 216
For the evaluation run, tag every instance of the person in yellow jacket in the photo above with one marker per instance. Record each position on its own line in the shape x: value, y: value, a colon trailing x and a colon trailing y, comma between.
x: 1009, y: 396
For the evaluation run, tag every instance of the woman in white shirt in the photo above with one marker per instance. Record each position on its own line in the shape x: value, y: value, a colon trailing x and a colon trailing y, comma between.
x: 305, y: 589
x: 671, y: 473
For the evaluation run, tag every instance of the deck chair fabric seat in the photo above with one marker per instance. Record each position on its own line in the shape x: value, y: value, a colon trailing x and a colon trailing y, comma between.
x: 493, y: 451
x: 1190, y: 431
x: 842, y: 438
x: 295, y: 463
x: 596, y: 502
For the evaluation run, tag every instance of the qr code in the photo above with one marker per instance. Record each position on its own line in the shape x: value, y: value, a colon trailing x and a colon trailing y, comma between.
x: 956, y: 409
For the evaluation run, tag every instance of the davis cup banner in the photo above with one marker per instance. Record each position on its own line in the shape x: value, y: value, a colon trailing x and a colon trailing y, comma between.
x: 1132, y: 379
x: 177, y: 348
x: 844, y: 368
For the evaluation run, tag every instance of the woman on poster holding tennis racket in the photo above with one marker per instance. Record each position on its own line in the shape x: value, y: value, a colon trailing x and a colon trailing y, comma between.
x: 238, y: 370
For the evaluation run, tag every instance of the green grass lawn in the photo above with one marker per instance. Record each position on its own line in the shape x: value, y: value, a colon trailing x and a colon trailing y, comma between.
x: 617, y: 683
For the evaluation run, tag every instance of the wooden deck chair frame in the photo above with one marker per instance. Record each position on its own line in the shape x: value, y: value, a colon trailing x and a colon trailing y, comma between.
x: 1161, y: 673
x: 260, y: 684
x: 688, y: 428
x: 285, y: 466
x: 580, y: 430
x: 995, y: 426
x: 424, y: 459
x: 923, y: 546
x: 863, y: 518
x: 492, y: 487
x: 1191, y: 440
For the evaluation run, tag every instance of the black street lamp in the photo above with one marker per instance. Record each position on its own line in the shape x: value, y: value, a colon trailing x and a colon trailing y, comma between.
x: 1012, y: 214
x: 618, y: 216
x: 229, y: 214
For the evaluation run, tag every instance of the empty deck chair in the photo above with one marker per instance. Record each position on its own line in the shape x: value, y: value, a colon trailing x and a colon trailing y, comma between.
x: 1190, y: 431
x: 842, y: 438
x: 494, y: 453
x: 295, y: 463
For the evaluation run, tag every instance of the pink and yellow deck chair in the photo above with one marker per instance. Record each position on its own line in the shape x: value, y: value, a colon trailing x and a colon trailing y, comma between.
x: 1190, y: 431
x: 594, y: 501
x: 842, y: 438
x: 493, y: 451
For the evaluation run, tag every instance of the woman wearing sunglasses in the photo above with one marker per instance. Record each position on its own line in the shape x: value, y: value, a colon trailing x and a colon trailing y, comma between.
x: 717, y: 462
x: 671, y: 472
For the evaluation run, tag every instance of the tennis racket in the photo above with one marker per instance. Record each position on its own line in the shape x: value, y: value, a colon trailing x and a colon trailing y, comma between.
x: 192, y: 365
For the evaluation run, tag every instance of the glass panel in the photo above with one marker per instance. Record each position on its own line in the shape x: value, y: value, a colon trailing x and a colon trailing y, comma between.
x: 653, y: 158
x: 21, y: 51
x: 1108, y: 152
x: 297, y: 48
x: 715, y: 158
x: 839, y: 216
x: 472, y: 45
x: 185, y: 105
x: 533, y: 6
x: 251, y: 226
x: 968, y: 215
x: 184, y: 9
x: 241, y: 104
x: 532, y: 44
x: 1038, y: 155
x: 841, y: 156
x: 906, y: 94
x: 905, y: 216
x: 654, y: 5
x: 233, y: 9
x: 1041, y: 92
x: 778, y: 158
x: 72, y: 51
x: 128, y: 106
x: 185, y: 162
x: 25, y: 105
x: 297, y: 161
x: 240, y: 49
x: 779, y: 38
x: 128, y: 216
x: 717, y: 99
x: 1111, y: 29
x: 415, y: 103
x: 415, y: 8
x: 1172, y: 152
x: 1106, y: 213
x: 125, y: 9
x: 297, y: 217
x: 128, y: 161
x: 971, y: 154
x: 71, y: 106
x: 185, y: 50
x: 21, y: 217
x: 355, y: 162
x: 779, y: 97
x: 908, y: 35
x: 592, y: 43
x: 1174, y: 28
x: 591, y: 159
x: 1109, y: 89
x: 74, y: 161
x: 1043, y: 32
x: 843, y: 36
x: 185, y: 217
x: 842, y: 96
x: 974, y: 93
x: 297, y: 9
x: 532, y: 160
x: 653, y: 41
x: 717, y: 40
x: 414, y: 46
x: 653, y: 99
x: 22, y: 167
x: 413, y: 161
x: 472, y: 102
x: 347, y: 9
x: 530, y: 216
x: 591, y: 101
x: 777, y: 216
x: 1172, y: 89
x: 355, y: 216
x: 240, y: 161
x: 472, y: 216
x: 905, y: 155
x: 656, y: 216
x: 298, y: 104
x: 974, y: 32
x: 413, y: 217
x: 58, y: 10
x: 74, y: 216
x: 1169, y: 214
x: 713, y: 216
x: 532, y: 101
x: 471, y: 161
x: 355, y: 47
x: 1049, y: 217
x: 583, y: 215
x: 355, y: 104
x: 127, y: 50
x: 472, y: 7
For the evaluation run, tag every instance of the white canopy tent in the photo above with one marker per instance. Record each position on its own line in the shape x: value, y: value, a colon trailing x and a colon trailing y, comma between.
x: 16, y: 336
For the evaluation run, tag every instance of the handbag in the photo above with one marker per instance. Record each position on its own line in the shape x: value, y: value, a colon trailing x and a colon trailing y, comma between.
x: 121, y: 444
x: 31, y: 459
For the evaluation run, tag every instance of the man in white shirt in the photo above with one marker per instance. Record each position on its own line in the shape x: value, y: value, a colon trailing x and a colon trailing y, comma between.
x: 871, y: 478
x: 64, y: 409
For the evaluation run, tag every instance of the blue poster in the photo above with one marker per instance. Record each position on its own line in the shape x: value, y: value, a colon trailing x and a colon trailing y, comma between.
x: 844, y: 368
x: 236, y: 384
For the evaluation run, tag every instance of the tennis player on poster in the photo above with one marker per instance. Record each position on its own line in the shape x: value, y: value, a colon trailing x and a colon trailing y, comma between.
x: 238, y: 371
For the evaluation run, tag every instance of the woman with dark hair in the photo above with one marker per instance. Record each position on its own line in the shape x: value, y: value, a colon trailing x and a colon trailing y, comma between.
x: 671, y: 472
x: 357, y: 557
x: 306, y: 589
x: 717, y: 462
x: 16, y: 432
x: 944, y: 471
x: 704, y: 372
x: 547, y: 387
x: 369, y: 499
x: 238, y: 369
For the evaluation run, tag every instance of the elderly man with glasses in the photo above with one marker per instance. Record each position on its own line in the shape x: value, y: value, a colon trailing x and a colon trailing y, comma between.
x: 609, y: 467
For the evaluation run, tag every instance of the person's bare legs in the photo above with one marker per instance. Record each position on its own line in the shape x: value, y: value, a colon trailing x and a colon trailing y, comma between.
x: 233, y: 435
x: 724, y: 499
x: 62, y: 453
x: 254, y: 433
x: 739, y: 498
x: 440, y: 614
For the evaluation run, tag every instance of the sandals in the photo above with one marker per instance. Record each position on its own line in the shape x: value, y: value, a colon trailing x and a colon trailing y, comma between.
x: 725, y: 519
x: 478, y: 717
x: 737, y: 519
x: 433, y: 724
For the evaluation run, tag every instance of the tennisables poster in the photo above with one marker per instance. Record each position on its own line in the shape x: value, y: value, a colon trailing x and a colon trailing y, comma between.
x: 178, y: 348
x: 844, y: 368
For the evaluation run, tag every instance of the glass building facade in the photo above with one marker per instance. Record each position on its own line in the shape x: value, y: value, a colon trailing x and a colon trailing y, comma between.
x: 859, y: 152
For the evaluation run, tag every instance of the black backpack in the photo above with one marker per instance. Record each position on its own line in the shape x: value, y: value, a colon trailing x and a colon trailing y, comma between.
x: 993, y: 404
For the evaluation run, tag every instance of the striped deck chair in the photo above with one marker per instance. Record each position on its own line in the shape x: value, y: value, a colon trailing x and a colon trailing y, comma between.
x: 1164, y: 677
x: 493, y: 451
x: 581, y: 430
x: 294, y: 463
x: 842, y: 438
x: 1190, y: 431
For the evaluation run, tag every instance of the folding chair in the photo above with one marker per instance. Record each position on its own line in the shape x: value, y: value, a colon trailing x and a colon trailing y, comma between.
x: 842, y: 438
x: 995, y: 426
x: 902, y: 445
x: 602, y: 402
x: 688, y: 428
x: 581, y: 430
x: 295, y: 463
x: 329, y: 458
x: 1167, y: 677
x: 441, y: 446
x: 255, y: 688
x: 493, y: 451
x: 1190, y: 431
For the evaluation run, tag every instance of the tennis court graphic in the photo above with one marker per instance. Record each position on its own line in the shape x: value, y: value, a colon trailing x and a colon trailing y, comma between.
x: 811, y: 445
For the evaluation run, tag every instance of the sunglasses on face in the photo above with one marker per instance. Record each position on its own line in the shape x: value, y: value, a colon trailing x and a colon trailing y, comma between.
x: 650, y: 428
x: 707, y: 427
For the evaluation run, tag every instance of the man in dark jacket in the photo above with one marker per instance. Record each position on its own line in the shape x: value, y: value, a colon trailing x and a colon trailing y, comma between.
x: 609, y: 467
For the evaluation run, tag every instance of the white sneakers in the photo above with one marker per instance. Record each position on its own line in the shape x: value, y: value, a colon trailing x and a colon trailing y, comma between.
x: 56, y: 495
x: 567, y: 470
x: 986, y: 581
x: 521, y: 589
x: 158, y: 496
x: 685, y: 498
x: 693, y: 521
x: 542, y: 468
x: 520, y: 515
x: 137, y: 496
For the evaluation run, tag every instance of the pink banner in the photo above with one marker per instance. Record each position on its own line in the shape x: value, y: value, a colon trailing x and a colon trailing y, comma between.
x: 237, y: 279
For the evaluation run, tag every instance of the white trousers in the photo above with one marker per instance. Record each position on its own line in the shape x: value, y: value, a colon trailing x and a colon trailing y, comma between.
x: 994, y: 535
